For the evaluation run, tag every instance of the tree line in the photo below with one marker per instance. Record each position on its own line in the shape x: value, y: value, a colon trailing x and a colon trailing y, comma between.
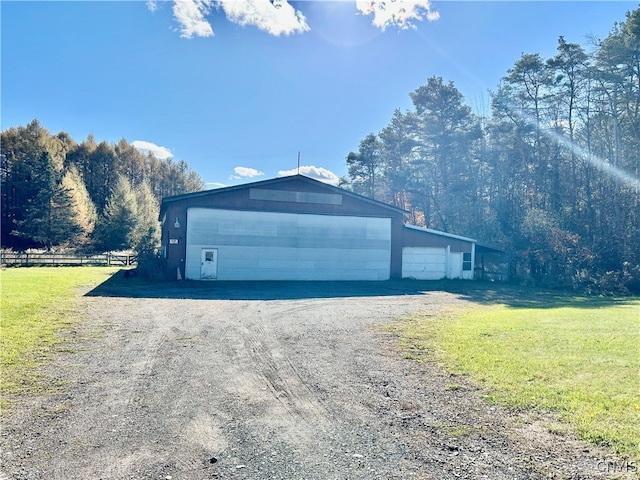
x: 551, y: 173
x: 88, y: 197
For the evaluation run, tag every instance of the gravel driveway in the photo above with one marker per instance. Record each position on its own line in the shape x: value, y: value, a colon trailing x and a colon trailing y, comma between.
x: 270, y: 381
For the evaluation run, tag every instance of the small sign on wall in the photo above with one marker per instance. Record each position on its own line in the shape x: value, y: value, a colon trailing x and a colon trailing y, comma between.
x: 173, y: 241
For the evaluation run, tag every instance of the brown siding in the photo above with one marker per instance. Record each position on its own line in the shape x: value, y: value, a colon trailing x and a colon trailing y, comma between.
x: 397, y: 227
x: 416, y: 238
x: 175, y: 253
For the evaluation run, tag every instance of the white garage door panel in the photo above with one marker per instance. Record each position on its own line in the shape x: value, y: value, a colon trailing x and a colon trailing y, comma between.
x: 283, y: 246
x: 247, y: 265
x: 424, y: 263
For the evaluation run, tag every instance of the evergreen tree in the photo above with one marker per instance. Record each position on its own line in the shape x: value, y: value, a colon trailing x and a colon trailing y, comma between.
x: 34, y: 202
x: 49, y: 218
x: 446, y: 171
x: 147, y: 231
x: 22, y: 148
x: 43, y: 176
x: 116, y: 226
x: 131, y: 163
x: 399, y: 152
x: 84, y: 211
x: 365, y: 165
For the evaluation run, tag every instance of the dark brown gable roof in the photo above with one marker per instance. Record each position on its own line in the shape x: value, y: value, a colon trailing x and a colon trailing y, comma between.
x: 276, y: 181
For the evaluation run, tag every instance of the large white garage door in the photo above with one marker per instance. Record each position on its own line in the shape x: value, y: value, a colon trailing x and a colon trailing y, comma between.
x: 286, y: 246
x: 424, y: 263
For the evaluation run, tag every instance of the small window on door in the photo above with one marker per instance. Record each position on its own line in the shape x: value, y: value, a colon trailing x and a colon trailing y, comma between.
x: 209, y: 264
x: 466, y: 262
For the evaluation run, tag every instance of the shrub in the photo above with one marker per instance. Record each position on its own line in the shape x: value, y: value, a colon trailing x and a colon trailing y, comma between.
x: 151, y: 265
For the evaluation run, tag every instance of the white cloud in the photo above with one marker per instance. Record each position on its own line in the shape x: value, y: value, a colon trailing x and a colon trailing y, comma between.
x: 318, y: 173
x: 276, y: 18
x: 148, y: 147
x: 212, y: 185
x: 399, y: 13
x: 279, y: 17
x: 190, y: 14
x: 152, y: 5
x: 246, y: 172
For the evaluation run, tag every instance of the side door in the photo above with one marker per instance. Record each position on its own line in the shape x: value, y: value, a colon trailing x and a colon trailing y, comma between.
x: 209, y: 264
x: 455, y: 265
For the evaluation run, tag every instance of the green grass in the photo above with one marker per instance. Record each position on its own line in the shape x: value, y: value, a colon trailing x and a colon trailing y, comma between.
x: 579, y: 358
x: 36, y: 306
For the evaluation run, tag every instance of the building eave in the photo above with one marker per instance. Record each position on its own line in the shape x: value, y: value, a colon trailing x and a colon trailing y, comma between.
x: 489, y: 248
x: 438, y: 232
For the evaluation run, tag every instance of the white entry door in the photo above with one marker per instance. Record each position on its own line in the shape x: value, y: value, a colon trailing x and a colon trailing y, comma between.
x: 455, y: 265
x: 209, y: 264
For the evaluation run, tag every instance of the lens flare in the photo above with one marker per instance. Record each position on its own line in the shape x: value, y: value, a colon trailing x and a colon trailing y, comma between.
x: 602, y: 165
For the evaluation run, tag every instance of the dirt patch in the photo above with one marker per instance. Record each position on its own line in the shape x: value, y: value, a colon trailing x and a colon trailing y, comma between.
x: 269, y: 381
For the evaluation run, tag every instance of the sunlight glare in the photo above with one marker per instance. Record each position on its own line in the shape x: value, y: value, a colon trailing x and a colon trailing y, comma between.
x: 599, y: 163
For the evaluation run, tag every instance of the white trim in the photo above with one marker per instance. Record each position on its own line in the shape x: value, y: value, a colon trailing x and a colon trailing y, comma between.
x: 437, y: 232
x: 473, y: 262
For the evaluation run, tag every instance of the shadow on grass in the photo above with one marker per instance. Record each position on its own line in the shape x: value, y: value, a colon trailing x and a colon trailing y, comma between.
x: 476, y: 291
x: 518, y: 296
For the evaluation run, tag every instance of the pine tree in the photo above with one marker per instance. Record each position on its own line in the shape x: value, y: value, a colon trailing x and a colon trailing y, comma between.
x: 49, y: 218
x: 147, y: 231
x: 84, y: 210
x: 365, y: 165
x: 115, y: 228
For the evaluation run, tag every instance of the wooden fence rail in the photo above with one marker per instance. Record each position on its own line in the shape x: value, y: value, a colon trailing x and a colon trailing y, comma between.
x: 23, y: 259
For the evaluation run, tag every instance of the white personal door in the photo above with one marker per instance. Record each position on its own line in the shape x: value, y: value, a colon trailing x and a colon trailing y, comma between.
x: 455, y: 265
x: 209, y: 264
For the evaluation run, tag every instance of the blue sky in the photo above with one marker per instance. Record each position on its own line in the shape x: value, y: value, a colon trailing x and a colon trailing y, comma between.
x: 237, y: 87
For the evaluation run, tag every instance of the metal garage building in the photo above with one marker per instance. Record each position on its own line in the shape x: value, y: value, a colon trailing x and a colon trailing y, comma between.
x: 297, y: 228
x: 289, y: 228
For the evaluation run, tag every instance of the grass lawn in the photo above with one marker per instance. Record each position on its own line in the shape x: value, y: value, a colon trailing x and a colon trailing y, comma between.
x: 578, y: 357
x: 36, y: 305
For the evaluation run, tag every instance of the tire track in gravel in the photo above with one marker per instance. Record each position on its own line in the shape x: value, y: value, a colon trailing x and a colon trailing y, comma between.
x: 298, y: 387
x: 273, y: 373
